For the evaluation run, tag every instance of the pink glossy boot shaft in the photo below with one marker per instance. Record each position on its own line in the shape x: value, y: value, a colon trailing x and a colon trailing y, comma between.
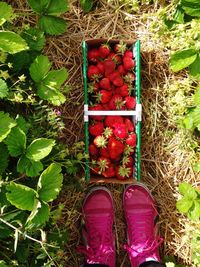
x: 140, y: 214
x: 98, y: 216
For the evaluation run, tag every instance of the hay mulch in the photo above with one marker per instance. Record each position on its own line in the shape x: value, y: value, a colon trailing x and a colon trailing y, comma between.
x: 164, y: 164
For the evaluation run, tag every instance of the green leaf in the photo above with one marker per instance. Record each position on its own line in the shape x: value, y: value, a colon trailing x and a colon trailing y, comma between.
x: 51, y: 94
x: 16, y: 142
x: 7, y: 124
x: 3, y: 89
x: 194, y: 214
x: 57, y: 7
x: 39, y: 148
x: 29, y: 167
x: 191, y: 193
x: 52, y: 25
x: 184, y: 204
x: 3, y: 264
x: 184, y: 187
x: 191, y: 7
x: 86, y: 5
x: 34, y: 38
x: 6, y: 12
x: 21, y: 196
x: 194, y: 68
x: 22, y: 124
x: 12, y: 42
x: 196, y: 97
x: 3, y: 158
x: 192, y: 120
x: 182, y: 59
x: 56, y: 78
x: 50, y: 182
x: 179, y: 15
x: 39, y: 6
x: 39, y: 68
x: 39, y: 215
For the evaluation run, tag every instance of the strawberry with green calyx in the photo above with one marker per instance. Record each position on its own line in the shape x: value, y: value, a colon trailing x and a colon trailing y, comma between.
x: 131, y: 140
x: 93, y: 87
x: 128, y: 150
x: 129, y: 78
x: 105, y: 84
x: 124, y: 90
x: 96, y: 129
x: 97, y: 107
x: 93, y: 55
x: 115, y: 78
x: 110, y: 172
x: 108, y: 132
x: 115, y: 148
x: 100, y: 66
x: 96, y: 170
x: 103, y: 163
x: 130, y: 102
x: 116, y: 102
x: 120, y: 130
x: 128, y: 53
x: 104, y: 96
x: 120, y: 48
x: 93, y: 73
x: 109, y: 66
x: 123, y: 172
x: 104, y: 152
x: 116, y: 58
x: 110, y: 120
x: 121, y: 70
x: 129, y: 125
x: 100, y: 141
x: 128, y: 63
x: 93, y: 150
x: 104, y: 50
x: 127, y: 161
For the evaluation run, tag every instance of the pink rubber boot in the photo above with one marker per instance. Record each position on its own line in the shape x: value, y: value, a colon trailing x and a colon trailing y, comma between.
x: 98, y: 216
x: 140, y: 213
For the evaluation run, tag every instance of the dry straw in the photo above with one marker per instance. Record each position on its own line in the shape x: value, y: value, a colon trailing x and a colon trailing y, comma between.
x: 164, y: 163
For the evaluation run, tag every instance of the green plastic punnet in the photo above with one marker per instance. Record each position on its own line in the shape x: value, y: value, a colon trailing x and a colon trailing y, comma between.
x: 136, y: 51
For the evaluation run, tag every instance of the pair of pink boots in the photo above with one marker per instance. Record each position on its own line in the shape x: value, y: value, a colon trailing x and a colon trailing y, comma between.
x: 140, y: 213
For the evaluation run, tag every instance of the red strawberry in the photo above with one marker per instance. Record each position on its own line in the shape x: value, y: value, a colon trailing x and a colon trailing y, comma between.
x: 96, y: 170
x: 110, y: 120
x: 96, y: 129
x: 93, y: 55
x: 104, y: 152
x: 116, y: 58
x: 116, y: 102
x: 93, y: 87
x: 93, y: 150
x: 128, y: 63
x: 120, y: 48
x: 127, y: 161
x: 124, y: 90
x: 104, y: 96
x: 106, y: 106
x: 100, y: 141
x: 100, y: 66
x: 93, y: 72
x: 105, y: 84
x: 121, y: 70
x: 123, y: 172
x: 97, y: 107
x: 108, y: 132
x: 110, y: 172
x: 129, y: 78
x: 115, y: 148
x: 128, y: 53
x: 120, y: 130
x: 116, y: 78
x: 104, y: 50
x: 131, y: 140
x: 109, y: 66
x: 103, y: 163
x: 128, y: 150
x: 129, y: 125
x: 130, y: 102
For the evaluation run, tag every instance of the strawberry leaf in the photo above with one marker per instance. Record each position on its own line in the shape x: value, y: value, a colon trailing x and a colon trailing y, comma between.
x: 7, y: 123
x: 29, y: 167
x: 16, y: 142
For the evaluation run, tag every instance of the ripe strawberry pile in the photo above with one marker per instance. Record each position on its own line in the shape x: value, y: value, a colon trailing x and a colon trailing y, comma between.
x: 111, y: 75
x: 112, y: 144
